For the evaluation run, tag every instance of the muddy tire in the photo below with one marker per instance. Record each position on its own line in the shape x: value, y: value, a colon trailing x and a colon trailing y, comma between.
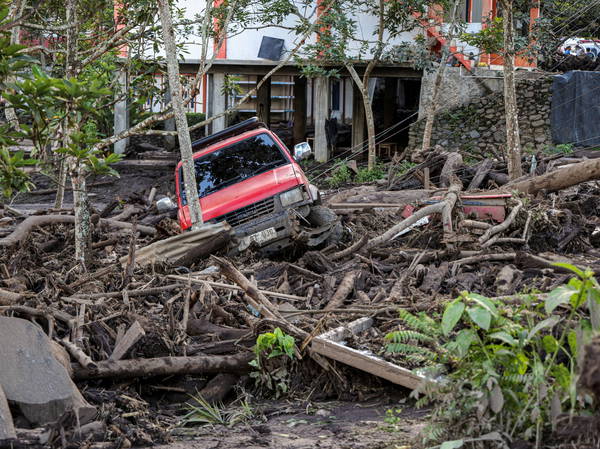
x: 321, y: 216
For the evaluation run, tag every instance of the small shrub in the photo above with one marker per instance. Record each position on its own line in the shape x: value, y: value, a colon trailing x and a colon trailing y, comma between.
x: 194, y: 117
x: 272, y: 371
x: 365, y: 175
x: 12, y: 178
x: 340, y: 176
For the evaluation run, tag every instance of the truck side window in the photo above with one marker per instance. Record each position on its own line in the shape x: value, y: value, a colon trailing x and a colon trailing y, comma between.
x: 234, y: 163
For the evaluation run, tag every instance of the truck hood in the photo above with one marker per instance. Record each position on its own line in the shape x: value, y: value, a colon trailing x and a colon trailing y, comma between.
x: 244, y: 193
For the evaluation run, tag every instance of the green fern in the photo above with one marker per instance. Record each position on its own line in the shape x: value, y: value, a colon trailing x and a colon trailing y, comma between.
x: 421, y: 323
x: 404, y: 348
x: 404, y: 336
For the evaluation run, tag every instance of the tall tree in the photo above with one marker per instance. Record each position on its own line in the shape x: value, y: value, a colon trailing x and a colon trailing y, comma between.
x: 513, y: 140
x: 185, y: 141
x: 439, y: 76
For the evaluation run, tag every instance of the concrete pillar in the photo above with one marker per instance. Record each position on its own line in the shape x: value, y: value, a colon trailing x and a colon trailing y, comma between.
x: 358, y: 118
x: 321, y: 110
x: 263, y: 101
x: 299, y: 109
x: 389, y: 101
x: 170, y: 142
x: 121, y: 118
x: 217, y: 102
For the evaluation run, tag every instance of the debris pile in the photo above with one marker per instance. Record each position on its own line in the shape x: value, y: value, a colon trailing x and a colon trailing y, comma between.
x: 182, y: 313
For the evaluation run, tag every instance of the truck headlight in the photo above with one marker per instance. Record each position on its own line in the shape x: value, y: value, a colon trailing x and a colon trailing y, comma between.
x: 291, y: 197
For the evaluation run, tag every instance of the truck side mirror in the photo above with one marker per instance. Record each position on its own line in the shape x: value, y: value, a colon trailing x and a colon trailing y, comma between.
x: 302, y: 151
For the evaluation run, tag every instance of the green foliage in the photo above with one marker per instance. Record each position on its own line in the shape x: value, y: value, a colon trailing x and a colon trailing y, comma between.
x: 366, y: 175
x: 563, y: 148
x: 340, y: 176
x: 56, y: 103
x: 274, y: 344
x: 201, y: 412
x: 12, y: 178
x: 417, y: 340
x: 514, y: 367
x: 490, y: 38
x: 272, y: 371
x: 194, y: 117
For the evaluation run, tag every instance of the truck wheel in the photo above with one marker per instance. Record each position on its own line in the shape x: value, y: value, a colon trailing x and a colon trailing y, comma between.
x: 321, y: 216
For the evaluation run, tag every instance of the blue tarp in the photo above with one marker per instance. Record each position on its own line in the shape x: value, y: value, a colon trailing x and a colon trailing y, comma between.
x: 575, y: 116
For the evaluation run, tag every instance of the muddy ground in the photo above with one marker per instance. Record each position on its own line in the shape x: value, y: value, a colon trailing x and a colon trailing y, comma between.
x: 300, y: 425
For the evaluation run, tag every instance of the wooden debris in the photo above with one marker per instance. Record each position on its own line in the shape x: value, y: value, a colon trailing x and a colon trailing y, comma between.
x: 186, y: 248
x: 343, y: 290
x: 166, y: 366
x: 124, y: 344
x: 30, y: 223
x: 329, y: 344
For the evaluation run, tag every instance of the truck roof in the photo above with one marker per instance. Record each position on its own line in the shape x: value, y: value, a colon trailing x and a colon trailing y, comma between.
x: 239, y: 128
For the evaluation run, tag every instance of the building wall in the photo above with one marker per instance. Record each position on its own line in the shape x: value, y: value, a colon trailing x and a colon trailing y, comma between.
x: 479, y: 125
x: 459, y: 87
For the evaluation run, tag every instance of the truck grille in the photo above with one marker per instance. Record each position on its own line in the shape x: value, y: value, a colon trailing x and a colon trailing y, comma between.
x: 248, y: 213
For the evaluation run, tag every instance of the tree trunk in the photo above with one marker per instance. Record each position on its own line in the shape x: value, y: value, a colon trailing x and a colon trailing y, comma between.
x: 439, y: 76
x: 370, y: 122
x: 513, y: 142
x: 363, y: 87
x: 82, y: 213
x: 185, y: 142
x: 16, y: 10
x: 562, y: 178
x: 167, y: 366
x: 70, y: 71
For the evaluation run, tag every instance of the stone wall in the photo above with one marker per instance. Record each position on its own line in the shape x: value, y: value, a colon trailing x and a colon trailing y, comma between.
x: 459, y: 87
x: 480, y: 125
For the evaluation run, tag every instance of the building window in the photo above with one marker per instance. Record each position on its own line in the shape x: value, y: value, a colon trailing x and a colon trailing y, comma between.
x: 335, y: 95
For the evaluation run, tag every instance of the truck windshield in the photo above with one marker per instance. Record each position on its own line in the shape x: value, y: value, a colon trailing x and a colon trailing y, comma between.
x: 234, y: 163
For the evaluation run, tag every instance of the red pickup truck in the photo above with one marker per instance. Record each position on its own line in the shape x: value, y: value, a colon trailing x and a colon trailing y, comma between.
x: 247, y: 177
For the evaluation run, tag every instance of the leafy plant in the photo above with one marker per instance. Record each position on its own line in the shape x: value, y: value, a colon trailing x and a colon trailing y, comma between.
x: 514, y: 367
x: 366, y: 175
x: 201, y: 412
x: 270, y: 373
x: 12, y: 178
x: 341, y: 175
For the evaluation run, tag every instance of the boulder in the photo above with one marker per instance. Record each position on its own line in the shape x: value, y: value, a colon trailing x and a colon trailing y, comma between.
x: 33, y: 379
x: 7, y: 428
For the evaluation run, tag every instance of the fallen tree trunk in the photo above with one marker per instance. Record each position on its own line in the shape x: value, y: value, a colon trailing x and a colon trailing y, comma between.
x: 8, y: 298
x: 342, y: 292
x: 399, y: 197
x: 30, y: 223
x: 558, y: 179
x: 351, y: 249
x: 166, y: 366
x: 437, y: 208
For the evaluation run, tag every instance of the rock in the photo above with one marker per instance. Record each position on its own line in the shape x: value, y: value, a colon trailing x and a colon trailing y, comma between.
x: 33, y: 378
x: 535, y: 117
x: 538, y: 123
x: 7, y: 428
x: 474, y: 135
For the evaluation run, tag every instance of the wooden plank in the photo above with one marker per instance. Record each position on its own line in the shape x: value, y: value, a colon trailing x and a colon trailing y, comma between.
x: 368, y: 363
x: 131, y: 337
x: 328, y: 344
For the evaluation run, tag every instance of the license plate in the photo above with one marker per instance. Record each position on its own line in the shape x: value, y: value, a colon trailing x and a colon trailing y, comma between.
x: 263, y: 236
